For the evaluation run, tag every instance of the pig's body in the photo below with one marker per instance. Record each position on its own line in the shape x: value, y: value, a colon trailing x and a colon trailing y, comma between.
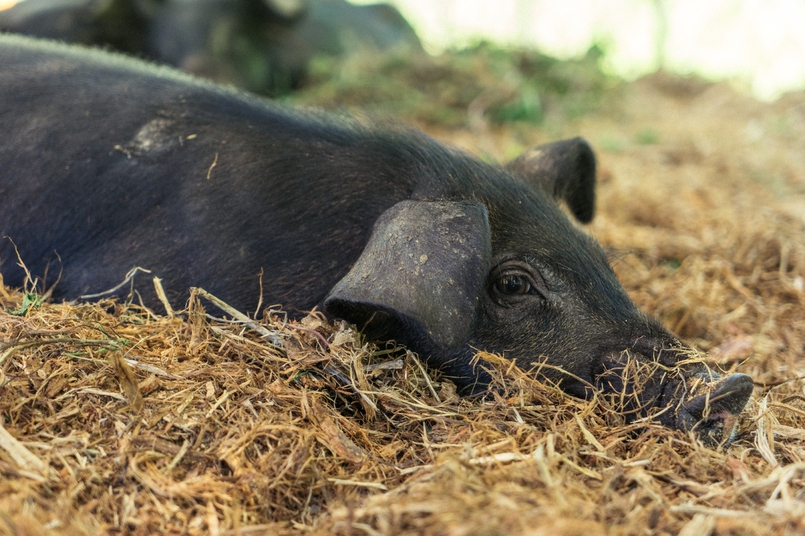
x: 264, y: 46
x: 112, y: 163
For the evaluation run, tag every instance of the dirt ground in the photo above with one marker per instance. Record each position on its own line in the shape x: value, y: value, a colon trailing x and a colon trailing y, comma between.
x: 119, y: 420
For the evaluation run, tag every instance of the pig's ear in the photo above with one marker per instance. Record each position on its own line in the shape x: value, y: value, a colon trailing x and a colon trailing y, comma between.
x: 419, y: 276
x: 564, y: 169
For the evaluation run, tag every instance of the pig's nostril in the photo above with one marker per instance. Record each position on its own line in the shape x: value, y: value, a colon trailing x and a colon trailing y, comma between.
x: 714, y: 415
x: 732, y: 393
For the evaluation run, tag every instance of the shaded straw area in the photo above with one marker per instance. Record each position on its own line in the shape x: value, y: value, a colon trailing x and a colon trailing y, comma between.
x: 118, y: 420
x: 121, y: 420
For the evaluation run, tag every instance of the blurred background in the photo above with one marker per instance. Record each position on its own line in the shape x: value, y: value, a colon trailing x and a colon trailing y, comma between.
x: 272, y: 46
x: 759, y: 44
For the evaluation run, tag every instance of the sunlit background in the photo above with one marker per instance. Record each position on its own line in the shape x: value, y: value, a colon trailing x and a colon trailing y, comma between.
x: 758, y: 44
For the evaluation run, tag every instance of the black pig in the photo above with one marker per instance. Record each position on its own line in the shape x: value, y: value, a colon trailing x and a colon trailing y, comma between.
x: 107, y: 163
x: 263, y: 46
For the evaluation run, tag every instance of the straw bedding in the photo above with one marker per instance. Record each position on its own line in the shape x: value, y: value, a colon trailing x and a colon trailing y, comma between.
x: 121, y: 420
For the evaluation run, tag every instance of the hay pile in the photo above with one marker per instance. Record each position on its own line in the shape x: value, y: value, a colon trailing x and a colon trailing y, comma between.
x: 121, y: 420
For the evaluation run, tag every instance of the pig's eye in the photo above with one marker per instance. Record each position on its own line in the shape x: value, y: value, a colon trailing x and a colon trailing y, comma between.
x: 513, y: 281
x: 513, y: 284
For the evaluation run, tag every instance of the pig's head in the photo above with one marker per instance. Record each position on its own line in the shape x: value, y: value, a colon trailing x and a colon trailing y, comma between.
x: 495, y: 265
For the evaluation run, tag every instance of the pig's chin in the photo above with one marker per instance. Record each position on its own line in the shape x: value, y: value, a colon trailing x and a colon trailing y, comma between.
x: 712, y: 412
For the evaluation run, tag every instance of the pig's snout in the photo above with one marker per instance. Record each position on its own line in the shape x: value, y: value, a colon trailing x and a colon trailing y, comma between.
x: 675, y: 388
x: 712, y: 410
